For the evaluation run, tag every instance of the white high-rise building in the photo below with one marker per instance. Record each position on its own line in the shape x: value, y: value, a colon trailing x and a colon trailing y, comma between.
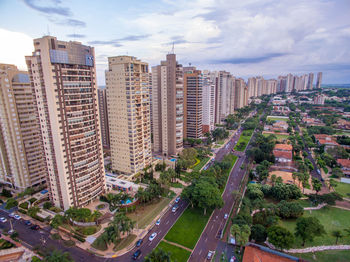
x: 208, y: 114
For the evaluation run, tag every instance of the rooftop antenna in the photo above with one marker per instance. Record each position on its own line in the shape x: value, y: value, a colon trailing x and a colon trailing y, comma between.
x: 172, y: 50
x: 48, y: 30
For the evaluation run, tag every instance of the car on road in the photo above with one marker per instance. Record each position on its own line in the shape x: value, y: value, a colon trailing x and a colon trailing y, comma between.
x: 34, y: 227
x: 153, y: 236
x: 210, y: 255
x: 136, y: 254
x: 17, y: 217
x: 233, y: 259
x: 12, y: 215
x: 158, y: 222
x: 28, y: 223
x: 219, y: 233
x: 226, y: 216
x: 11, y: 231
x: 3, y: 220
x: 177, y: 200
x: 139, y: 242
x: 175, y: 207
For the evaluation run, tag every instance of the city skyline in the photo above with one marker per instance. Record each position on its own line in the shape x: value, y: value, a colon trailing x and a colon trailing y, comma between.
x: 264, y: 38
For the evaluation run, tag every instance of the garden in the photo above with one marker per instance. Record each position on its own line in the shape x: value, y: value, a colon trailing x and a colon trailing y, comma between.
x: 244, y: 140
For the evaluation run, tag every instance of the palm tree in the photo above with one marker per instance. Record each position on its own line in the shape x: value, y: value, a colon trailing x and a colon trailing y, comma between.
x: 337, y: 234
x: 158, y: 255
x: 316, y: 185
x: 33, y: 211
x: 235, y: 230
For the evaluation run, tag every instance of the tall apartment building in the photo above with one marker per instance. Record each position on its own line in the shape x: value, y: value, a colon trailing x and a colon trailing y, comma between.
x: 22, y: 160
x: 222, y: 96
x: 241, y: 94
x: 208, y: 104
x: 168, y: 106
x: 150, y: 99
x: 127, y: 82
x: 63, y: 77
x: 319, y: 80
x: 310, y: 83
x: 193, y: 109
x: 102, y: 106
x: 252, y: 87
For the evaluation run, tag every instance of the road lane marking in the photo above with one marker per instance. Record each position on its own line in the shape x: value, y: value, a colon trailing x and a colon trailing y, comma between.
x: 200, y: 252
x: 167, y: 222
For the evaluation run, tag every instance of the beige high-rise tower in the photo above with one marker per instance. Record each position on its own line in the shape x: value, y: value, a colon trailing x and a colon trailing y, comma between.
x: 168, y: 108
x: 193, y: 90
x: 22, y: 162
x: 63, y: 77
x: 127, y: 82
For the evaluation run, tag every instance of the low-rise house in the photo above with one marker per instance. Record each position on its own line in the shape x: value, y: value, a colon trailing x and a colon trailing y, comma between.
x: 343, y: 124
x: 312, y: 122
x: 345, y: 166
x: 326, y: 140
x: 258, y: 253
x: 283, y: 153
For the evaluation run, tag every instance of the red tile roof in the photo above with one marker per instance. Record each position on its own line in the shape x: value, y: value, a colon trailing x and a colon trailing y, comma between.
x: 283, y: 154
x: 283, y: 147
x: 344, y: 162
x: 257, y: 253
x: 327, y: 142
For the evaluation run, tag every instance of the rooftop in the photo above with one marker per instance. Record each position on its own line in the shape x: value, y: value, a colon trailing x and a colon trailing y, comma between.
x: 283, y: 147
x: 344, y: 162
x: 283, y: 154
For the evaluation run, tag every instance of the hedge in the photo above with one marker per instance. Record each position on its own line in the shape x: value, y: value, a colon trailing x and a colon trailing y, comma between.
x: 22, y: 211
x: 24, y: 205
x: 32, y: 200
x: 81, y: 239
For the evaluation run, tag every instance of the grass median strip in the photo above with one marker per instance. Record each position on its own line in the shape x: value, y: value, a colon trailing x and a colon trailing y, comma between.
x: 244, y: 140
x: 188, y: 227
x: 177, y: 253
x: 201, y: 164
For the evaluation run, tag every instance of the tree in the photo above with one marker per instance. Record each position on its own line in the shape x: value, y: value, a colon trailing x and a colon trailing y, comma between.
x: 307, y: 228
x: 57, y: 221
x: 259, y: 233
x: 235, y: 230
x: 273, y: 179
x: 58, y: 256
x: 6, y: 193
x: 241, y: 234
x: 158, y: 255
x: 316, y: 185
x: 337, y: 234
x: 279, y: 180
x: 33, y: 211
x: 10, y: 203
x: 332, y: 183
x: 337, y: 172
x: 280, y: 237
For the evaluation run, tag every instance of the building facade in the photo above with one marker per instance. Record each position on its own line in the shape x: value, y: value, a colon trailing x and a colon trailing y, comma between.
x: 208, y: 104
x: 22, y: 160
x: 102, y: 106
x: 63, y: 77
x: 168, y: 106
x: 127, y: 82
x: 193, y: 108
x: 319, y: 80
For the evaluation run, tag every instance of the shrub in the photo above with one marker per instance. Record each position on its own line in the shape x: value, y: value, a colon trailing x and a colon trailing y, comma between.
x: 32, y: 200
x: 6, y: 193
x: 81, y: 239
x: 289, y: 209
x: 47, y: 205
x: 88, y: 230
x: 24, y: 205
x: 22, y: 211
x: 258, y: 233
x: 56, y: 236
x: 69, y: 243
x: 103, y: 198
x: 11, y: 202
x: 55, y: 209
x: 35, y: 259
x: 100, y: 206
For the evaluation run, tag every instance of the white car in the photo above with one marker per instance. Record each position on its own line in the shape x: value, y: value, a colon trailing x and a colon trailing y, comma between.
x: 153, y: 236
x: 226, y: 216
x: 12, y: 215
x: 11, y: 231
x: 177, y: 200
x: 17, y: 217
x: 233, y: 259
x: 3, y: 220
x: 158, y: 222
x: 210, y: 255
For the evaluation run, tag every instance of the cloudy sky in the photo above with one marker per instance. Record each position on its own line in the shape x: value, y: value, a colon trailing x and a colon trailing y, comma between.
x: 246, y: 38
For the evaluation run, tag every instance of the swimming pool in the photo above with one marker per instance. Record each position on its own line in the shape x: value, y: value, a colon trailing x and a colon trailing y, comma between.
x: 128, y: 201
x: 173, y: 159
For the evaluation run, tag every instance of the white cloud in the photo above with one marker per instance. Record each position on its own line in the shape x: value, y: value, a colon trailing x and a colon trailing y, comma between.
x: 14, y: 47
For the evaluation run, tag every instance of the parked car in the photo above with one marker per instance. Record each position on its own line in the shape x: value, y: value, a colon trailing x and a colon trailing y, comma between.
x: 28, y: 223
x: 175, y: 207
x: 233, y: 259
x: 11, y: 231
x: 17, y: 217
x: 139, y: 242
x: 153, y: 236
x: 136, y: 254
x: 3, y: 220
x: 210, y: 255
x: 226, y: 216
x: 12, y: 215
x: 158, y: 222
x: 177, y: 200
x: 34, y: 227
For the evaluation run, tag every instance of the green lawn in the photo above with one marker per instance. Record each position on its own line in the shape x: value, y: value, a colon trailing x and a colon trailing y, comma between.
x: 331, y: 218
x: 244, y: 139
x: 188, y: 227
x: 177, y: 253
x: 220, y: 142
x: 326, y: 256
x: 279, y: 137
x: 176, y: 185
x: 343, y: 189
x: 125, y: 242
x: 201, y: 164
x: 144, y: 214
x: 276, y: 118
